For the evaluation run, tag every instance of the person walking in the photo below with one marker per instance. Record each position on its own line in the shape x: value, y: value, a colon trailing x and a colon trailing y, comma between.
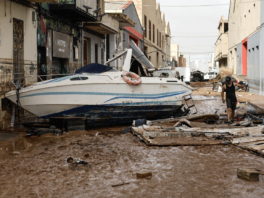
x: 230, y: 99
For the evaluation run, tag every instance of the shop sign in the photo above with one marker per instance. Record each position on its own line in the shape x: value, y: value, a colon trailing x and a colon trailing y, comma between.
x: 61, y: 45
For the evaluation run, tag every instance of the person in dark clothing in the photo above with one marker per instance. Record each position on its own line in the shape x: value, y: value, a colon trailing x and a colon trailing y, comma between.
x: 230, y: 99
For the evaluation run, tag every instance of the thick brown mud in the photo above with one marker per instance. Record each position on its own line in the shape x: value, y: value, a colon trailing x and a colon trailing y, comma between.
x: 40, y: 169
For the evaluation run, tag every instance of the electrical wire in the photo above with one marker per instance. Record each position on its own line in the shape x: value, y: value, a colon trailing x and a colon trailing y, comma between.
x: 197, y: 5
x: 187, y: 6
x: 182, y: 36
x: 196, y: 52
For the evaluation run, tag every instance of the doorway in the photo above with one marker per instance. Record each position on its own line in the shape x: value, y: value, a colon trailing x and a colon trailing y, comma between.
x: 42, y: 65
x: 86, y: 51
x: 18, y: 51
x: 244, y: 57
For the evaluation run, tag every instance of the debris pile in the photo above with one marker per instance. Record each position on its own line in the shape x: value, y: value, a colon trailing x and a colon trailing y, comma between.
x: 209, y: 129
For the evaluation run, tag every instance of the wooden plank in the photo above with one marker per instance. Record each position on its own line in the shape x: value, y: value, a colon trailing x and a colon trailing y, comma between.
x: 200, y: 118
x: 248, y: 144
x: 183, y: 141
x: 245, y: 131
x: 157, y: 138
x: 257, y: 147
x: 247, y: 139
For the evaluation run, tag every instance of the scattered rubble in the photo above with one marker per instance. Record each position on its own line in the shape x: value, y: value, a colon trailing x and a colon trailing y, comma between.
x: 249, y: 174
x: 76, y: 163
x: 145, y: 175
x: 120, y: 184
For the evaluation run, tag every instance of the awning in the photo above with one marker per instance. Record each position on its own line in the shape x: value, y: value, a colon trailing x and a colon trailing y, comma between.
x: 140, y: 56
x: 100, y: 27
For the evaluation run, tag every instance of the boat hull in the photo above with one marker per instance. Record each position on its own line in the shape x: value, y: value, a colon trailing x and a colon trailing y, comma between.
x: 95, y: 116
x: 103, y: 97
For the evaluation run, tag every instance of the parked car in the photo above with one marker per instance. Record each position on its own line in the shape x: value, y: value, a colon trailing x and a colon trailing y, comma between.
x: 182, y: 73
x: 210, y: 75
x: 197, y: 76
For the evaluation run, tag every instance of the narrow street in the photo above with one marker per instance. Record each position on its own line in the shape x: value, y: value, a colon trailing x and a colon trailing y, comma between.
x: 131, y: 99
x: 38, y: 167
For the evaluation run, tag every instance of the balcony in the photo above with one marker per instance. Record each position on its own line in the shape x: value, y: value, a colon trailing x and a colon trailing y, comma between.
x: 106, y: 26
x: 44, y: 1
x: 76, y: 10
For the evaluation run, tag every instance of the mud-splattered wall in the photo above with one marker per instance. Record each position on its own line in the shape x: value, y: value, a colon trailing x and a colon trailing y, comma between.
x: 10, y: 12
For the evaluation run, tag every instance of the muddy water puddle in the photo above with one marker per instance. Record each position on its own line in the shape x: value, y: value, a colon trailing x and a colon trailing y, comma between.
x: 114, y: 159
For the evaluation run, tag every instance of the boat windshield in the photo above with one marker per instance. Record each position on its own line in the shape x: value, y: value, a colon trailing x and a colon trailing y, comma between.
x: 94, y: 68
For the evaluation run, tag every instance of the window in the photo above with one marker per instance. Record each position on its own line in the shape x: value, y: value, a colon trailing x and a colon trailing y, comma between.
x: 96, y: 53
x: 79, y: 78
x: 145, y: 26
x: 102, y: 55
x: 150, y: 30
x: 157, y: 54
x: 160, y: 39
x: 157, y: 37
x: 225, y: 27
x: 153, y: 33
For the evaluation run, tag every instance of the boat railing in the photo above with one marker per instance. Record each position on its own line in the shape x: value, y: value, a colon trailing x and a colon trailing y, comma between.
x: 10, y: 81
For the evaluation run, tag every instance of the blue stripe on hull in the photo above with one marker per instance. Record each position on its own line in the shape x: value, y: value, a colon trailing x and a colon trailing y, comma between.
x: 117, y: 95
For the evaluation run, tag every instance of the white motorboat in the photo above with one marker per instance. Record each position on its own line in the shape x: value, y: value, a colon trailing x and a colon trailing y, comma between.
x: 103, y: 96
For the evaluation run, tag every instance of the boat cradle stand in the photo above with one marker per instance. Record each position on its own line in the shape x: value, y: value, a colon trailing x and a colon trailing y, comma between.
x: 69, y: 123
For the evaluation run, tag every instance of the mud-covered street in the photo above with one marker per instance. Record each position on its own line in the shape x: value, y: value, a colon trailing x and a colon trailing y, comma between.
x: 38, y: 167
x: 115, y: 158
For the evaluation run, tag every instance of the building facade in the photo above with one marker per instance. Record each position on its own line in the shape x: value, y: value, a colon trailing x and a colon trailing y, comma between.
x: 18, y: 42
x: 45, y: 39
x: 246, y: 36
x: 221, y: 44
x: 175, y: 54
x: 157, y: 35
x: 18, y: 49
x: 131, y: 31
